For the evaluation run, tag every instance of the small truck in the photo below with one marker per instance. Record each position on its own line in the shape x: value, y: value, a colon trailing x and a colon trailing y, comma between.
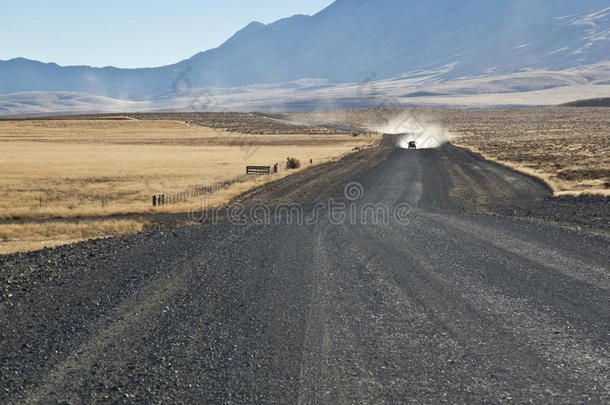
x: 412, y: 145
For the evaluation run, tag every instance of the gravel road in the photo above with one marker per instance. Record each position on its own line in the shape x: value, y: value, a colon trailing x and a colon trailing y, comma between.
x: 403, y: 294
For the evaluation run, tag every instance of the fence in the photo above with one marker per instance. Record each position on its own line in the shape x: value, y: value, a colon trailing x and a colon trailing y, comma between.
x: 259, y: 169
x: 108, y: 199
x: 171, y: 199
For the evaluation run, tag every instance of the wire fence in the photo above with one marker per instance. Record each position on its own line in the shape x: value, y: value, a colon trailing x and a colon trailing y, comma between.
x: 50, y: 200
x: 177, y: 198
x: 197, y: 191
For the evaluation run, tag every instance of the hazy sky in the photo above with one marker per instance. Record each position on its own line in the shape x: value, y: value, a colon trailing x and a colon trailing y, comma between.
x: 131, y: 33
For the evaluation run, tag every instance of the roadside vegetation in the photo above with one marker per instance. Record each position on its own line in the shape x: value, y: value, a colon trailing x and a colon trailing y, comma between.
x: 33, y: 236
x: 568, y: 148
x: 107, y: 167
x: 293, y: 163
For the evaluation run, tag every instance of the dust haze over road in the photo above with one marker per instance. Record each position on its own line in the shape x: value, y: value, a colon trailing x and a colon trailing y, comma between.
x: 447, y: 305
x: 407, y: 129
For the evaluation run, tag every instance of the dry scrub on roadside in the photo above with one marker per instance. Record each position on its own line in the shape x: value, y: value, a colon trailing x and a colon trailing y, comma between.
x: 243, y: 123
x: 569, y: 148
x: 293, y: 163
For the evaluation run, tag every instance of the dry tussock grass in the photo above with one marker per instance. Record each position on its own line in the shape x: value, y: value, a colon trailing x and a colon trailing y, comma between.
x: 31, y: 236
x: 96, y: 168
x: 568, y: 148
x: 99, y: 168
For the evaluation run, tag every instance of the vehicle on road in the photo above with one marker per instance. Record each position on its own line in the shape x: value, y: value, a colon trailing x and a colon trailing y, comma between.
x: 412, y: 145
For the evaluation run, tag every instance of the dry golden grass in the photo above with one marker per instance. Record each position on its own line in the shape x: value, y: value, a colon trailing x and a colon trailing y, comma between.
x: 99, y: 168
x: 91, y: 168
x: 32, y: 236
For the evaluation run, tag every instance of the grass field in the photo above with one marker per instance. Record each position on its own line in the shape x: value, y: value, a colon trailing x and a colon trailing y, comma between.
x: 568, y: 148
x: 101, y: 166
x: 32, y: 236
x: 104, y: 167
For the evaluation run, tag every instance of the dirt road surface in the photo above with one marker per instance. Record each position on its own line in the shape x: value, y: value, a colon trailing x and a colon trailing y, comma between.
x: 436, y: 304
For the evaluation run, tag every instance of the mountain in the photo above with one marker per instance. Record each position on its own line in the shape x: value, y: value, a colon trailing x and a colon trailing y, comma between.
x: 33, y: 103
x: 354, y: 40
x: 524, y: 89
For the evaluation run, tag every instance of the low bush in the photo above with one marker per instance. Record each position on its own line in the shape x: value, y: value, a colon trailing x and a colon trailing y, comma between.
x: 292, y: 163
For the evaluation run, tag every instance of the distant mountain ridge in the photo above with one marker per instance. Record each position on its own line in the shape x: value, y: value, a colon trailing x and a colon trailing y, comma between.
x: 351, y: 39
x: 525, y: 89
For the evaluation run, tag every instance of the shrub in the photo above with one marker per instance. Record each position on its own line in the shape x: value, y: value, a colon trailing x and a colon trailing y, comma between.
x: 293, y: 163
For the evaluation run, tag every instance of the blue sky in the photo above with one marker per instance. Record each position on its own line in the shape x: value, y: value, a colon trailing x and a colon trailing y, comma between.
x: 131, y: 33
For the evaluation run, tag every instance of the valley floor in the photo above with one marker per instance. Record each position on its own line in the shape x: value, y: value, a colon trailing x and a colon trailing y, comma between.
x: 95, y: 169
x: 436, y: 304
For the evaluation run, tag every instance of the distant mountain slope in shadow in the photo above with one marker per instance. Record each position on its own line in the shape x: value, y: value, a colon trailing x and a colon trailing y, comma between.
x: 594, y: 102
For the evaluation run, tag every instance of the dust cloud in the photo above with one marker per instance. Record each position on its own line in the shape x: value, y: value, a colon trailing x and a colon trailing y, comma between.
x: 408, y: 128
